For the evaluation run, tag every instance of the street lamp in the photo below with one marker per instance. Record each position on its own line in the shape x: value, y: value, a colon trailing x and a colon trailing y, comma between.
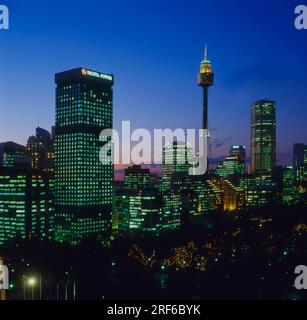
x: 31, y: 283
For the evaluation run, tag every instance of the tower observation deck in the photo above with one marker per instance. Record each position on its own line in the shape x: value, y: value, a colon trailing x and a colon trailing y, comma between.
x: 205, y: 80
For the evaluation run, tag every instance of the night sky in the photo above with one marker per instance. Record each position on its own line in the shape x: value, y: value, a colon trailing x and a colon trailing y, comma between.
x: 154, y: 49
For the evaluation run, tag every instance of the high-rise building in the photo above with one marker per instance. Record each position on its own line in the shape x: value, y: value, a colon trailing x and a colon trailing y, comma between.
x: 298, y: 154
x: 175, y: 158
x: 238, y: 151
x: 230, y: 166
x: 233, y: 196
x: 288, y: 189
x: 121, y: 216
x: 14, y: 155
x: 136, y: 177
x: 171, y: 210
x: 41, y: 149
x: 260, y: 193
x: 263, y: 137
x: 299, y: 161
x: 26, y: 205
x: 83, y: 184
x: 145, y: 208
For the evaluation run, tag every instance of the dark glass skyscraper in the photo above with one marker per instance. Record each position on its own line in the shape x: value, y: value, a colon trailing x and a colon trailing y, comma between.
x: 14, y: 155
x: 41, y: 149
x: 299, y: 150
x: 263, y: 137
x: 26, y: 205
x: 238, y: 151
x: 83, y: 185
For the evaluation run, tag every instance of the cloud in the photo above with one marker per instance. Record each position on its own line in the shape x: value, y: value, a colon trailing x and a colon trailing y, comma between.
x: 220, y: 142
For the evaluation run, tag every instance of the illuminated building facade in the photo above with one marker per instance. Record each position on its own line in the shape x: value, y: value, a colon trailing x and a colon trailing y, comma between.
x: 13, y: 154
x: 175, y: 158
x: 239, y: 152
x: 288, y: 188
x: 299, y: 162
x: 145, y: 208
x: 136, y: 177
x: 41, y: 149
x: 171, y: 211
x: 83, y: 181
x: 231, y: 166
x: 263, y: 137
x: 259, y: 194
x: 26, y: 205
x: 233, y: 196
x: 174, y: 162
x: 121, y: 216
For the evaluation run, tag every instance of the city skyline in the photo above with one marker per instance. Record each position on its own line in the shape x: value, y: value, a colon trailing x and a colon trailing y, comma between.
x: 239, y: 81
x: 153, y: 150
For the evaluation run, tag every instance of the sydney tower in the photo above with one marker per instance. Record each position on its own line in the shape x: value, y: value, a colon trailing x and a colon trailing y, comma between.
x: 205, y: 80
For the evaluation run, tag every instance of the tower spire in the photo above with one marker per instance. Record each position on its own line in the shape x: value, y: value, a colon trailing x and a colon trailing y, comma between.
x: 205, y: 55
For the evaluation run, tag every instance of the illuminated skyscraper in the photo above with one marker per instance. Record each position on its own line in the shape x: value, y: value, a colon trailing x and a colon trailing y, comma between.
x: 26, y: 206
x: 171, y: 210
x: 288, y: 189
x: 238, y: 151
x: 263, y: 137
x: 231, y: 166
x: 205, y: 80
x: 299, y: 161
x: 174, y: 161
x: 41, y: 149
x: 83, y: 185
x: 136, y: 177
x: 14, y: 155
x: 233, y: 196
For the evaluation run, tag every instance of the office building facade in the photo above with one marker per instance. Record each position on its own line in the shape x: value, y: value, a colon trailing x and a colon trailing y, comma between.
x: 83, y: 181
x: 263, y: 137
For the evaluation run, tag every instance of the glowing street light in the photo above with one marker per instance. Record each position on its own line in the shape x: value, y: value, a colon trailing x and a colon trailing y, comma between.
x: 31, y: 283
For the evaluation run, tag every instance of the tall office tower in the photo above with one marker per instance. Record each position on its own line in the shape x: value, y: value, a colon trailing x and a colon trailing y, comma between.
x: 233, y: 195
x: 145, y: 210
x: 83, y: 184
x: 230, y: 166
x: 175, y: 158
x: 298, y: 154
x: 238, y: 151
x: 205, y: 80
x: 263, y: 137
x: 136, y: 177
x: 299, y: 161
x: 121, y: 215
x: 41, y: 149
x: 14, y: 155
x: 288, y: 189
x: 26, y: 205
x: 171, y: 210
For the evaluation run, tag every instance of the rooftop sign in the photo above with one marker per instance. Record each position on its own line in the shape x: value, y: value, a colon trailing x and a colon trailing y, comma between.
x: 96, y: 74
